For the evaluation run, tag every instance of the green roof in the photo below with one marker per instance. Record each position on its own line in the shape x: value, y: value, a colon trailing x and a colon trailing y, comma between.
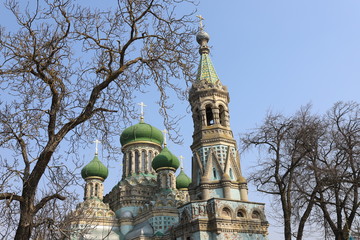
x: 182, y: 180
x: 141, y: 132
x: 165, y: 159
x: 95, y: 168
x: 206, y: 71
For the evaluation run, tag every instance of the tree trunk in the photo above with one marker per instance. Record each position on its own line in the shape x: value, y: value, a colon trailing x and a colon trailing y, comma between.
x: 23, y: 232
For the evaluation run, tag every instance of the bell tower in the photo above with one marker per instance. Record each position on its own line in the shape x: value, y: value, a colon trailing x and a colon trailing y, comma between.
x: 216, y: 170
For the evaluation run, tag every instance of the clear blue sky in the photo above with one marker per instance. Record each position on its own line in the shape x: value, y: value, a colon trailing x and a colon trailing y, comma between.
x: 273, y: 55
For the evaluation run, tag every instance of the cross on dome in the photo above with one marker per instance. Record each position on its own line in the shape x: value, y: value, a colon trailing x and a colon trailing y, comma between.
x: 165, y: 132
x: 181, y: 161
x: 142, y: 105
x: 96, y: 146
x: 200, y: 22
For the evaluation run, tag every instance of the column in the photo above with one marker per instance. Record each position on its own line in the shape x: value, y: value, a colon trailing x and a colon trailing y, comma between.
x: 215, y: 112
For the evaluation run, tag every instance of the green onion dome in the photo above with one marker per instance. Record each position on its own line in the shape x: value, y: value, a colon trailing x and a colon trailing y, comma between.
x: 165, y: 159
x: 95, y: 168
x: 182, y: 180
x: 141, y: 132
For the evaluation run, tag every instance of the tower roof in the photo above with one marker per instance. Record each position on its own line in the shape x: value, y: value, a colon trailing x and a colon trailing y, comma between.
x: 206, y: 71
x: 141, y: 132
x: 95, y: 168
x: 182, y: 180
x: 165, y: 159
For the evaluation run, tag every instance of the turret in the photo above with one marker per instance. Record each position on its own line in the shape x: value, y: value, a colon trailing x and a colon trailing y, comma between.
x: 165, y: 164
x: 94, y: 174
x: 216, y: 162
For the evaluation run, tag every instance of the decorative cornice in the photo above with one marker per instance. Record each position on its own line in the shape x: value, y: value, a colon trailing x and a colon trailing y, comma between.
x: 138, y: 142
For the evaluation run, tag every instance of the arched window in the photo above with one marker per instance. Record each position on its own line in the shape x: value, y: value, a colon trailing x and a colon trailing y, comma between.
x: 137, y: 162
x: 91, y: 189
x: 255, y: 215
x: 96, y: 189
x: 130, y: 163
x: 214, y: 173
x: 150, y: 158
x: 226, y: 212
x: 209, y: 116
x: 163, y: 180
x: 170, y: 181
x: 240, y: 213
x: 222, y: 115
x: 143, y: 161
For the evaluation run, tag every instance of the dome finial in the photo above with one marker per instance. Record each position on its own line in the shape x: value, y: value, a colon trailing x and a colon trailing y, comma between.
x: 165, y: 132
x: 96, y: 146
x: 181, y: 162
x: 202, y: 37
x: 142, y: 105
x: 201, y: 27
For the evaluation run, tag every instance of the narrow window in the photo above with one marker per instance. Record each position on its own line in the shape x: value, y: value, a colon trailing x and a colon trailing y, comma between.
x: 150, y: 158
x: 209, y: 116
x: 86, y: 191
x: 170, y: 181
x: 96, y: 189
x: 214, y: 172
x: 91, y: 189
x: 231, y: 174
x: 143, y: 161
x: 163, y: 181
x: 125, y: 165
x: 137, y: 162
x: 130, y: 163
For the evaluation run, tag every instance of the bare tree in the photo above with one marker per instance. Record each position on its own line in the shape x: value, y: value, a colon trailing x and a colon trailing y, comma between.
x: 66, y: 68
x: 337, y: 170
x: 312, y: 168
x: 287, y: 142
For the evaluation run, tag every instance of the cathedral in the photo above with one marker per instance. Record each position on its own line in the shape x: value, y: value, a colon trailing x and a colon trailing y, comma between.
x: 152, y: 202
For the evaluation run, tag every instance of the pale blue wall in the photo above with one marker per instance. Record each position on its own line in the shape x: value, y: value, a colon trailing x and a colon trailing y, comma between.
x: 235, y: 194
x: 216, y: 193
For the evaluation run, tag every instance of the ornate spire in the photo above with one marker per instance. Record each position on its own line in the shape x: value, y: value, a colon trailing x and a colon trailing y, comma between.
x: 206, y: 72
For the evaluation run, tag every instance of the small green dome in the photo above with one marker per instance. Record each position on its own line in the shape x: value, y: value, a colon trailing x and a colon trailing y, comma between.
x: 141, y: 132
x: 182, y: 180
x: 165, y: 159
x: 95, y: 168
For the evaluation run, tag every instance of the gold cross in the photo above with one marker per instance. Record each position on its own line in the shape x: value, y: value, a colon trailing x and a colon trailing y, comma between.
x: 181, y: 161
x: 142, y: 105
x: 164, y: 132
x: 200, y: 21
x: 96, y: 146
